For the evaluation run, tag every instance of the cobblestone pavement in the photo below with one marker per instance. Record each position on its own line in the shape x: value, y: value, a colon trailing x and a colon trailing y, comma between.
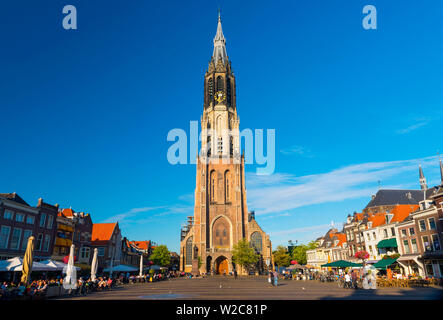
x: 255, y: 288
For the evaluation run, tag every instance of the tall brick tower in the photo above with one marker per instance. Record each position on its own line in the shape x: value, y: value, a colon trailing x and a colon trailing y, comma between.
x: 221, y: 216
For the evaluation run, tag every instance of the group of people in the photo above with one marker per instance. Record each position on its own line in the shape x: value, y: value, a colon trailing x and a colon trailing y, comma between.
x: 10, y: 290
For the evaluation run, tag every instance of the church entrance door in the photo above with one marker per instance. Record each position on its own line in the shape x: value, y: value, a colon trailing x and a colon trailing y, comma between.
x: 222, y: 265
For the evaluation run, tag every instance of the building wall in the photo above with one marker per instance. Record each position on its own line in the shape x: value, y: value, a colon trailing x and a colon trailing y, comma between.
x: 44, y: 213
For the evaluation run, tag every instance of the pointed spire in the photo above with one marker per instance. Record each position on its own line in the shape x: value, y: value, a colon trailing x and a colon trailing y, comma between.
x: 423, y: 184
x: 219, y: 44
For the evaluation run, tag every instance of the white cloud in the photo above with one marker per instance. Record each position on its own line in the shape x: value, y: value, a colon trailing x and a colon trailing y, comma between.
x: 418, y: 123
x: 284, y: 192
x: 149, y: 214
x: 296, y: 231
x: 131, y: 213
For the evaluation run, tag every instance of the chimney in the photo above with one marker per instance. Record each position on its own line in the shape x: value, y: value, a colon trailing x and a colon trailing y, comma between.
x: 40, y: 201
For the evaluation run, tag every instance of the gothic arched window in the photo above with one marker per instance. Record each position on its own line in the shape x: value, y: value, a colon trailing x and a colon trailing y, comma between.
x: 210, y: 88
x: 189, y: 251
x: 227, y: 186
x: 220, y: 84
x: 221, y: 237
x: 256, y: 241
x: 213, y: 181
x: 228, y: 91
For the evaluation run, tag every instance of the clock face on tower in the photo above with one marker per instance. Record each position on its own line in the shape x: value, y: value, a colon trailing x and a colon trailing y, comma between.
x: 220, y: 96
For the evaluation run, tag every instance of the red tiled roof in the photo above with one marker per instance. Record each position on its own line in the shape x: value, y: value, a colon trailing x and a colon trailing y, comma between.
x: 341, y: 237
x: 402, y: 211
x: 378, y: 219
x: 102, y: 232
x: 67, y: 212
x: 144, y: 245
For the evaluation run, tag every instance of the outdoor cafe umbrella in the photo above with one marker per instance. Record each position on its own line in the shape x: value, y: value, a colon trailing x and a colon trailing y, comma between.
x: 141, y: 265
x: 58, y: 265
x: 341, y: 264
x: 71, y: 274
x: 27, y: 261
x: 16, y: 264
x: 121, y: 268
x: 329, y: 261
x: 94, y: 265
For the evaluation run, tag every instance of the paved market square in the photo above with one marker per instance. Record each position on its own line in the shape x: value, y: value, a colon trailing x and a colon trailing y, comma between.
x: 254, y: 288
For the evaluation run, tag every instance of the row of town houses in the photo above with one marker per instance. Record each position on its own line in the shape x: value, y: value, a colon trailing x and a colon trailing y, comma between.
x: 55, y: 229
x: 402, y: 224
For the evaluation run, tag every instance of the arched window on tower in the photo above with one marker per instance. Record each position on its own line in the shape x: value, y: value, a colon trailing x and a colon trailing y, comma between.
x: 227, y: 186
x: 189, y: 251
x: 208, y: 146
x: 210, y: 89
x: 213, y: 181
x: 228, y: 91
x: 256, y: 241
x: 231, y: 145
x: 220, y: 84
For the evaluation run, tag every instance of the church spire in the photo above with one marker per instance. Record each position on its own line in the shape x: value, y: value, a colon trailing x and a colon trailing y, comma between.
x: 423, y: 184
x: 219, y: 44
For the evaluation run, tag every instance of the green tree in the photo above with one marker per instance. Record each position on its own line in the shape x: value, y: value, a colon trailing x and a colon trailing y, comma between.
x: 161, y: 256
x: 282, y: 257
x: 243, y: 254
x: 299, y: 252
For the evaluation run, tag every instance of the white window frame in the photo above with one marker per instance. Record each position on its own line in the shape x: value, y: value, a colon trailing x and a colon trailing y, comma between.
x: 50, y: 222
x: 98, y: 251
x: 30, y: 217
x: 412, y: 246
x: 20, y: 215
x: 25, y: 238
x: 18, y: 241
x: 429, y: 223
x: 46, y: 242
x: 41, y: 242
x: 85, y: 252
x: 42, y: 221
x: 5, y: 246
x: 419, y: 224
x: 8, y: 213
x: 433, y: 243
x: 406, y: 246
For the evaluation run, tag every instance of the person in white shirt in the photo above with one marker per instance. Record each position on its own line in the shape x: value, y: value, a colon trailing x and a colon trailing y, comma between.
x: 347, y: 280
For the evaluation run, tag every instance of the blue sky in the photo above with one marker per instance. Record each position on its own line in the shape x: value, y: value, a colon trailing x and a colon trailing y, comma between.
x: 85, y: 113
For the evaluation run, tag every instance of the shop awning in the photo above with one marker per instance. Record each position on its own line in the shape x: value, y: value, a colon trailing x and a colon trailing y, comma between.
x: 65, y: 228
x: 341, y: 264
x: 63, y: 242
x: 384, y: 263
x: 387, y: 243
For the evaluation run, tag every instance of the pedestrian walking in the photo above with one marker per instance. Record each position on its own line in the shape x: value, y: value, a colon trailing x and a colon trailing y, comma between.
x: 275, y: 278
x: 347, y: 281
x: 235, y: 274
x: 271, y: 278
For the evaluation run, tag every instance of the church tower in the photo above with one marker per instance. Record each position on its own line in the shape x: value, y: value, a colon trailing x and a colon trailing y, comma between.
x: 221, y: 216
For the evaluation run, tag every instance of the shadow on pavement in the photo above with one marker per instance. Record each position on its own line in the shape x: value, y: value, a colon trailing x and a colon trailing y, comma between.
x: 430, y: 293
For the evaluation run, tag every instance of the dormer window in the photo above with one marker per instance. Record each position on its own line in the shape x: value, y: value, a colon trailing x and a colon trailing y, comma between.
x: 389, y: 217
x: 369, y: 224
